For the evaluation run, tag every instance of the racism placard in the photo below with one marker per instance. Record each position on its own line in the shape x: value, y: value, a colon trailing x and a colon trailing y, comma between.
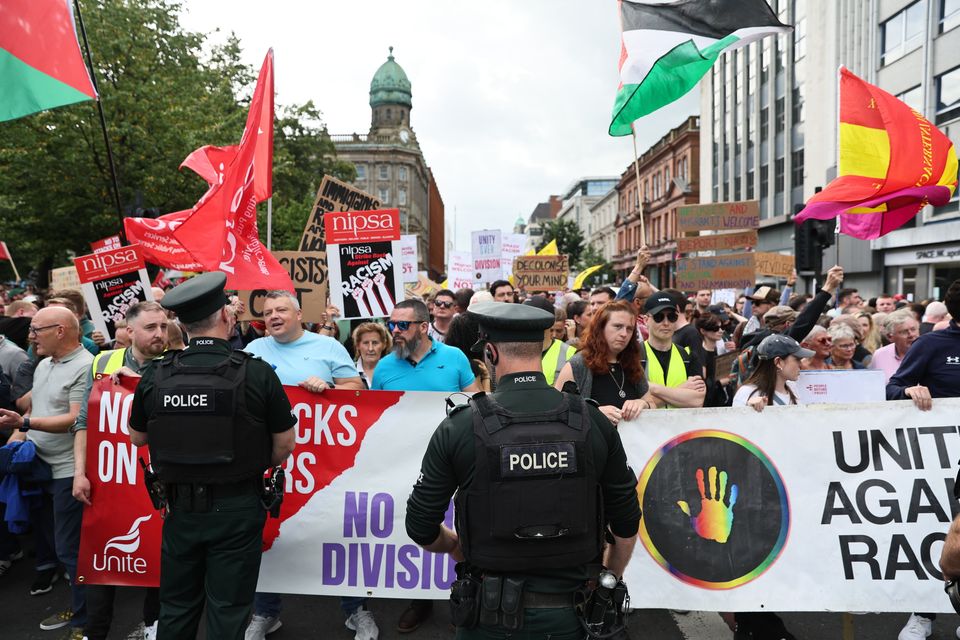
x: 541, y: 273
x: 460, y: 270
x: 308, y: 271
x: 409, y: 257
x: 733, y: 271
x: 365, y: 278
x: 773, y: 264
x: 511, y: 246
x: 734, y: 510
x: 333, y: 195
x: 112, y: 281
x: 486, y: 255
x: 723, y: 216
x: 718, y: 242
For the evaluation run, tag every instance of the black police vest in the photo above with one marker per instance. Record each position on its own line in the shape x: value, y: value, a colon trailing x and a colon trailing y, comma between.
x: 535, y: 500
x: 200, y: 429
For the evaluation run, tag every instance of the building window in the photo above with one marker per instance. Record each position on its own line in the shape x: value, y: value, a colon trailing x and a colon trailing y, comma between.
x: 796, y: 179
x: 948, y: 96
x: 903, y: 33
x: 384, y: 172
x: 780, y: 107
x: 666, y: 181
x: 764, y: 123
x: 750, y: 189
x: 361, y: 172
x: 384, y: 196
x: 764, y: 181
x: 736, y: 187
x: 798, y: 110
x: 949, y: 14
x: 402, y: 174
x: 799, y: 39
x: 913, y: 98
x: 778, y: 176
x: 401, y: 197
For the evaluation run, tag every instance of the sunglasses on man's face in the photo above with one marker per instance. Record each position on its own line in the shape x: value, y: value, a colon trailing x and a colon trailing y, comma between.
x: 402, y: 325
x: 672, y: 316
x: 443, y: 305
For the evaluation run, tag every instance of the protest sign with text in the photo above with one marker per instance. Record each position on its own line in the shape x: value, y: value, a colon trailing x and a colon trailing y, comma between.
x: 486, y: 255
x: 773, y: 264
x: 352, y: 227
x: 864, y: 491
x: 105, y: 244
x: 460, y: 270
x: 308, y: 271
x: 409, y: 257
x: 733, y: 271
x: 511, y: 246
x: 718, y: 242
x: 112, y: 281
x: 541, y: 273
x: 819, y: 386
x: 723, y: 216
x: 64, y: 278
x: 365, y: 279
x: 333, y: 195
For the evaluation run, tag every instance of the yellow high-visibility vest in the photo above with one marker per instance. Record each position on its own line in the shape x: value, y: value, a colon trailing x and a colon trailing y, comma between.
x: 553, y: 360
x: 676, y: 372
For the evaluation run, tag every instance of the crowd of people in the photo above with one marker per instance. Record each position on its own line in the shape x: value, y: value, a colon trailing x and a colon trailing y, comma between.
x: 631, y: 348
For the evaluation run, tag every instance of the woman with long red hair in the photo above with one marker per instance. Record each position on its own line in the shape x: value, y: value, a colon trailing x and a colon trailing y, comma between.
x: 607, y: 368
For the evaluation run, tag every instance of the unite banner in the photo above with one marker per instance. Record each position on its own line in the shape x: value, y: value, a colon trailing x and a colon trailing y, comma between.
x: 808, y: 508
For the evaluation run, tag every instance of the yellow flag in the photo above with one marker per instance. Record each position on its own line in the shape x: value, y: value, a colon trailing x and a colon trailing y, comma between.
x: 549, y: 250
x: 530, y: 253
x: 586, y: 273
x: 443, y: 285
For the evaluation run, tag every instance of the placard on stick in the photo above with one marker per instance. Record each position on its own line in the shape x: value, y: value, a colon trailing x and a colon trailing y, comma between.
x: 733, y: 271
x: 723, y: 216
x: 541, y: 273
x: 64, y: 278
x: 774, y: 264
x: 308, y: 270
x: 333, y: 195
x: 718, y: 242
x: 112, y: 281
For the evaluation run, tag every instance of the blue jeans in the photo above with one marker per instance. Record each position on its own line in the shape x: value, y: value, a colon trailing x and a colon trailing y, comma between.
x: 41, y: 519
x: 269, y: 605
x: 67, y: 515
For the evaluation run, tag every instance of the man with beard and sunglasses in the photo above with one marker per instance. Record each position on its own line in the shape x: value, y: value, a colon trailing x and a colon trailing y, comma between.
x: 419, y: 363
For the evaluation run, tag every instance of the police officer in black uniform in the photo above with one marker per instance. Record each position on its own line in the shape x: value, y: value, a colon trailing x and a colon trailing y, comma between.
x: 215, y: 419
x: 540, y: 476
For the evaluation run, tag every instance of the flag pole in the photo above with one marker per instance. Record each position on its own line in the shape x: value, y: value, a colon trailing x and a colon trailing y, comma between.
x: 103, y: 123
x: 636, y: 169
x: 836, y: 229
x: 270, y: 223
x: 6, y: 249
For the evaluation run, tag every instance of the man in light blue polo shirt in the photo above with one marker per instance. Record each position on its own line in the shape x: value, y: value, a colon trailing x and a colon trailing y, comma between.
x: 315, y: 363
x: 417, y: 362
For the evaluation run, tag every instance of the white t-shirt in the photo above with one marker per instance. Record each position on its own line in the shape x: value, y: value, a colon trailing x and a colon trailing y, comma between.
x: 744, y: 392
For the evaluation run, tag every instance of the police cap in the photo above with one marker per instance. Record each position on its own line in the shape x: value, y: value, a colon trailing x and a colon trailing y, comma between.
x: 198, y: 297
x: 503, y: 322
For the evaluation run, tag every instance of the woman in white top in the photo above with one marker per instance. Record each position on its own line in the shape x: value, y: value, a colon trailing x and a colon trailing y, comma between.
x: 370, y: 342
x: 772, y: 382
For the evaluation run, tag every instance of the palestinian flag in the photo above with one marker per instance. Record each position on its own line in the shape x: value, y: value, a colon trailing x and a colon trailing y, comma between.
x: 40, y: 62
x: 667, y: 46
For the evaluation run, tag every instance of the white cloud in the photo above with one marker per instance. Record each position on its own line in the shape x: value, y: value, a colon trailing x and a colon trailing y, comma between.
x: 511, y: 100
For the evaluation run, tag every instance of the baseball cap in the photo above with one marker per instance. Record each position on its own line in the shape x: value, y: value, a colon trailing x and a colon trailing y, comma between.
x: 659, y: 302
x: 778, y: 315
x: 719, y: 311
x: 765, y: 294
x: 781, y: 346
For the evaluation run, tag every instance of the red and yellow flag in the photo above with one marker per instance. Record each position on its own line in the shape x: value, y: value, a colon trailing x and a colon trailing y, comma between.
x: 892, y: 163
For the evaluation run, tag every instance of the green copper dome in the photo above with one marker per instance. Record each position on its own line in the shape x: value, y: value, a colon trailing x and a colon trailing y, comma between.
x: 390, y: 85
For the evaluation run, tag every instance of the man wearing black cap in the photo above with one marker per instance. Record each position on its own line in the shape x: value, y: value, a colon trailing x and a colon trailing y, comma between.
x: 674, y: 374
x: 212, y: 475
x: 529, y: 466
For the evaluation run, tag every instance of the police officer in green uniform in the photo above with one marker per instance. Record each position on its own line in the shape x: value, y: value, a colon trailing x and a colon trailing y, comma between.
x: 540, y: 477
x: 215, y: 419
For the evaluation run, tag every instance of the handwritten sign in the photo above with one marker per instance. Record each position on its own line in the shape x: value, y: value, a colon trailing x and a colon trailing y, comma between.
x: 333, y: 195
x: 734, y: 271
x: 408, y: 258
x: 64, y: 278
x: 541, y: 273
x: 724, y: 216
x: 308, y: 270
x: 460, y: 270
x: 718, y: 242
x: 774, y: 264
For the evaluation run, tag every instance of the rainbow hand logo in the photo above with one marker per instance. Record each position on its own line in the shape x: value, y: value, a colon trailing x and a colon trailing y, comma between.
x: 715, y: 519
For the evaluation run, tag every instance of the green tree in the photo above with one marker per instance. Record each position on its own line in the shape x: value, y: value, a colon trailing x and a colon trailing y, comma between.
x: 568, y: 236
x: 163, y: 97
x: 591, y: 256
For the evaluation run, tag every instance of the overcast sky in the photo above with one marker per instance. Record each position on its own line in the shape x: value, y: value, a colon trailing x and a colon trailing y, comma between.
x: 511, y: 99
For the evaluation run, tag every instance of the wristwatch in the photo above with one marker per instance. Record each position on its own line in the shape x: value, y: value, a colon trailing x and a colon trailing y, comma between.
x: 26, y: 425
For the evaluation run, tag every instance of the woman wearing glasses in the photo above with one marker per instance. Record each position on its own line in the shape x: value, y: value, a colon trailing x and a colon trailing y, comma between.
x: 710, y: 327
x: 844, y: 347
x: 607, y: 368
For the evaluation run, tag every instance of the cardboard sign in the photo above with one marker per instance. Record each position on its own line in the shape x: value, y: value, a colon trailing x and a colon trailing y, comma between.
x: 308, y: 270
x: 841, y: 386
x: 351, y: 227
x: 409, y: 258
x: 105, y: 244
x: 725, y: 363
x: 365, y: 278
x: 460, y: 270
x: 64, y: 278
x: 486, y: 255
x: 112, y: 281
x: 734, y: 271
x: 333, y: 195
x: 723, y: 216
x: 511, y: 246
x: 541, y: 273
x: 718, y: 242
x: 774, y: 264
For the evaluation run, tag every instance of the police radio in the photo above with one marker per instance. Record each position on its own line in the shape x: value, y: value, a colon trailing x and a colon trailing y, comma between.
x: 271, y: 495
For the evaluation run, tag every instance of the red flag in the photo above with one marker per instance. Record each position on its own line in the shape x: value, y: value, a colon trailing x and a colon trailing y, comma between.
x: 157, y: 244
x: 210, y: 162
x: 4, y: 252
x: 221, y: 233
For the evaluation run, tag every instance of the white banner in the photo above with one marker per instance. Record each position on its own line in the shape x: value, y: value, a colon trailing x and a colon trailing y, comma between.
x: 486, y: 255
x: 460, y: 270
x: 408, y: 257
x: 843, y: 387
x: 511, y: 246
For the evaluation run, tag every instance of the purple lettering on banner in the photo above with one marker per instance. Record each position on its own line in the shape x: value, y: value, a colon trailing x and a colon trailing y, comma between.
x: 409, y: 579
x: 444, y: 571
x: 425, y: 569
x: 381, y: 515
x: 333, y: 559
x: 391, y: 566
x: 352, y: 565
x: 354, y: 515
x: 371, y: 566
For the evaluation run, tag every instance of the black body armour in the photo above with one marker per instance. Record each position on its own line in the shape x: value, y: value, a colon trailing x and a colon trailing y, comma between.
x: 535, y: 500
x: 200, y: 429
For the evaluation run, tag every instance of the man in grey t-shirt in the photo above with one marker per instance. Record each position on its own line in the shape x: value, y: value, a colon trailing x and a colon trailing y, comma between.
x: 58, y: 389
